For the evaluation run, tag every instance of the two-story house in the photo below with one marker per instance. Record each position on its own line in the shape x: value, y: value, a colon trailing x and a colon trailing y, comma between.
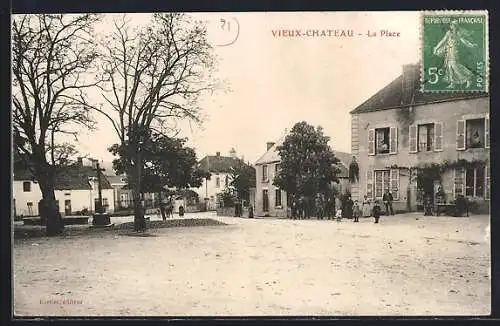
x: 220, y: 169
x: 400, y: 131
x: 272, y: 201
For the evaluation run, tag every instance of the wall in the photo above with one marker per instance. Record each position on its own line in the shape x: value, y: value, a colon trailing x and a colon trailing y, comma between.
x: 448, y: 113
x: 260, y: 186
x: 80, y: 199
x: 210, y: 190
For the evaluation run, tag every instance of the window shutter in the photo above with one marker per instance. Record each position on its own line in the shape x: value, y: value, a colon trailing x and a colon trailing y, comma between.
x: 460, y: 135
x: 413, y: 139
x: 459, y: 181
x: 487, y: 181
x: 369, y: 184
x: 487, y: 131
x: 438, y: 136
x: 371, y: 142
x: 395, y: 184
x: 393, y: 140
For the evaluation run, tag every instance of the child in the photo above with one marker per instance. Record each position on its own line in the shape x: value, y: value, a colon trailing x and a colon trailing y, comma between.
x: 377, y: 211
x: 338, y: 215
x: 356, y: 212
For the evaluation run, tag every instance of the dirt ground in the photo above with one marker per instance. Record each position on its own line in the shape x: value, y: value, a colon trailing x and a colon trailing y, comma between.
x: 255, y: 267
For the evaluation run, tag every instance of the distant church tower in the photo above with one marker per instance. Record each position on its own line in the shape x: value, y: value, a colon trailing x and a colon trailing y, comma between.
x: 232, y: 153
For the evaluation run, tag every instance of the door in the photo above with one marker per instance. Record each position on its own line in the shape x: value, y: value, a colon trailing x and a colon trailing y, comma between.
x: 265, y: 200
x: 67, y: 207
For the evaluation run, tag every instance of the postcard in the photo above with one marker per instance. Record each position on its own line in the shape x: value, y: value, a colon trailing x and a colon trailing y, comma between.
x: 251, y: 164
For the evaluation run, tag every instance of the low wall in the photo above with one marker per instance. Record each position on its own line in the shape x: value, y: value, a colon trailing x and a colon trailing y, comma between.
x: 225, y: 211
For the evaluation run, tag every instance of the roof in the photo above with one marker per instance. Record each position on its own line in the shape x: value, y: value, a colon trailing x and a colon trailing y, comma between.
x: 272, y: 155
x: 218, y: 164
x: 69, y: 178
x: 392, y: 95
x: 116, y: 179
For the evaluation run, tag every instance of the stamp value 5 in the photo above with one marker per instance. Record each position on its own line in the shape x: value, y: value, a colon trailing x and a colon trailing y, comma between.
x: 454, y: 51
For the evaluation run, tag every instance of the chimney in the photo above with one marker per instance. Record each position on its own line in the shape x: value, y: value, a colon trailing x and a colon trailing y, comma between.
x: 410, y: 76
x: 269, y: 144
x: 217, y: 154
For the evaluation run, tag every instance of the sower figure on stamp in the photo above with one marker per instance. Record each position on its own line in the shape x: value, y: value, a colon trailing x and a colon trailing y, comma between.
x: 454, y: 71
x: 387, y: 198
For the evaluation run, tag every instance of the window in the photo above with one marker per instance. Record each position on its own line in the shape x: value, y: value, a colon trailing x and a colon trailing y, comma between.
x: 276, y: 169
x: 226, y: 181
x: 426, y: 137
x: 217, y: 182
x: 26, y: 186
x: 473, y: 133
x: 264, y: 173
x: 475, y: 182
x: 458, y: 188
x: 382, y: 141
x: 369, y: 184
x: 385, y: 180
x: 277, y: 197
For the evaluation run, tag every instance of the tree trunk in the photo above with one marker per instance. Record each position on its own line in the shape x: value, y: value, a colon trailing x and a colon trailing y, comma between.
x: 49, y: 212
x: 135, y: 178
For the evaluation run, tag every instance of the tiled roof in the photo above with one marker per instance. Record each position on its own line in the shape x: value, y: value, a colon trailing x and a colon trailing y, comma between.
x: 218, y: 164
x: 116, y: 179
x: 392, y: 96
x: 69, y: 178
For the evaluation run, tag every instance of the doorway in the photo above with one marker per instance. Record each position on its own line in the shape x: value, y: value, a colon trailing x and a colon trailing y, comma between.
x: 265, y: 200
x: 67, y: 207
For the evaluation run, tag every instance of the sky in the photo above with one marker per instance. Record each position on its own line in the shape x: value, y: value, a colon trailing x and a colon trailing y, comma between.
x: 276, y: 81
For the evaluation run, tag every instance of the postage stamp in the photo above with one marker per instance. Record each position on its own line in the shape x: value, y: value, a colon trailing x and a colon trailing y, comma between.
x: 454, y: 51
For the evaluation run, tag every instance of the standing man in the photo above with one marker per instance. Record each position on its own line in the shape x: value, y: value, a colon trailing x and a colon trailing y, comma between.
x: 387, y: 198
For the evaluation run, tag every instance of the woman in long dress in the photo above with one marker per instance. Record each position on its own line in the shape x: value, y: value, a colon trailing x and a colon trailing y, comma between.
x: 454, y: 71
x: 366, y: 207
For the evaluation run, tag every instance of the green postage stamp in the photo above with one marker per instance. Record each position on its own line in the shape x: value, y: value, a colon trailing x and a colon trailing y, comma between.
x: 454, y: 51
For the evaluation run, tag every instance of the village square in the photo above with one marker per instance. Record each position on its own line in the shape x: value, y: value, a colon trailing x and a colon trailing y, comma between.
x: 289, y: 214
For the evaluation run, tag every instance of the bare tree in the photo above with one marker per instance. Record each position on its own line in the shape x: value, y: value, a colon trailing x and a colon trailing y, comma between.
x: 52, y: 57
x: 155, y: 75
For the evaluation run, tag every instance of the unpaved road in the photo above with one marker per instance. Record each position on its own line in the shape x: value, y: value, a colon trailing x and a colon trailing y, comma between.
x: 403, y: 266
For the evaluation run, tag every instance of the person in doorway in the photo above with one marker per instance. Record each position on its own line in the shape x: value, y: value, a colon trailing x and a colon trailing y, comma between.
x: 387, y: 198
x: 356, y: 212
x: 366, y: 207
x: 377, y: 211
x: 250, y: 211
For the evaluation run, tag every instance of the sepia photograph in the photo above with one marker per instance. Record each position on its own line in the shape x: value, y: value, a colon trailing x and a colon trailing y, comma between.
x: 251, y: 164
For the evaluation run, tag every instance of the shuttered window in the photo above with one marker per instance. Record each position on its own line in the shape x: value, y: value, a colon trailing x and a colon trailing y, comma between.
x: 438, y: 136
x: 459, y: 182
x: 371, y: 142
x: 487, y: 131
x: 413, y: 139
x: 487, y: 181
x: 369, y: 184
x: 395, y: 184
x: 393, y: 140
x: 461, y: 135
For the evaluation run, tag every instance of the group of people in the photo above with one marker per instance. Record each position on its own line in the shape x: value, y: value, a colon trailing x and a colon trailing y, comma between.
x: 339, y: 207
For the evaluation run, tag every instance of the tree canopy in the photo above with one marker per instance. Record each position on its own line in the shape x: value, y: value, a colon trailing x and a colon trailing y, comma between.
x: 308, y: 164
x: 167, y: 162
x: 242, y: 179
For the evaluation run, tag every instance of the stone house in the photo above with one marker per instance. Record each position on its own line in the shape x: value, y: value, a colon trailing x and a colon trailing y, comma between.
x: 269, y: 200
x: 75, y: 190
x: 220, y: 169
x: 400, y: 131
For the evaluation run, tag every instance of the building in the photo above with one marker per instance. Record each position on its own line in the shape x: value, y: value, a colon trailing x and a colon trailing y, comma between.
x: 75, y: 190
x: 220, y: 169
x: 399, y: 133
x: 269, y: 200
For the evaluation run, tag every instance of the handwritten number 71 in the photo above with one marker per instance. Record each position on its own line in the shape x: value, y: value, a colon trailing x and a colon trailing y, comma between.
x: 225, y: 25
